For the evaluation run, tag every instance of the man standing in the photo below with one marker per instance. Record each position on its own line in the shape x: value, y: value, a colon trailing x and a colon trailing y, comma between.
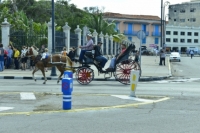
x: 1, y: 58
x: 99, y: 56
x: 88, y: 46
x: 191, y: 53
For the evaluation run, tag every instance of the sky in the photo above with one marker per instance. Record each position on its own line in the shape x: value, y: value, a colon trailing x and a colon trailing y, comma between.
x: 134, y: 7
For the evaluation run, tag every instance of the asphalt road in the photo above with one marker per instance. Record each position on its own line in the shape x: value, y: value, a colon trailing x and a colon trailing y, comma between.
x: 175, y: 110
x: 187, y: 68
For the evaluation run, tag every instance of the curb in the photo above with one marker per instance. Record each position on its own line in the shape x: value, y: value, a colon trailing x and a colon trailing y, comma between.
x: 142, y: 79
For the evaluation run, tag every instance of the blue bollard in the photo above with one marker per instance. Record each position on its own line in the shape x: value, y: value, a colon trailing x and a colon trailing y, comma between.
x: 68, y: 74
x: 67, y: 90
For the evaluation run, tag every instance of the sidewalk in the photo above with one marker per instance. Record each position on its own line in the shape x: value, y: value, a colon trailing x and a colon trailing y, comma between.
x: 150, y: 71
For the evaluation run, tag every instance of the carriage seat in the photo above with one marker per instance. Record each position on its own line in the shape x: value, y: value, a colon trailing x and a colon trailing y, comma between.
x: 89, y: 57
x: 89, y: 54
x: 126, y: 53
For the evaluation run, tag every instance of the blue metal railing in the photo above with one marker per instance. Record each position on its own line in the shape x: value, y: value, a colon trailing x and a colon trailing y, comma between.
x: 156, y: 33
x: 134, y: 33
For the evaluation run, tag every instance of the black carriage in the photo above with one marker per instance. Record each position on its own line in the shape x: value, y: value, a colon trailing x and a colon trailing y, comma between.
x: 121, y: 71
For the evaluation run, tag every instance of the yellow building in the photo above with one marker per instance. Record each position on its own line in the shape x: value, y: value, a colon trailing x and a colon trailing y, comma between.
x: 129, y: 25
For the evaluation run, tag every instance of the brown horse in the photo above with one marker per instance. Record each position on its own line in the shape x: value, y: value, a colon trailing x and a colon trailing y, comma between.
x: 53, y: 60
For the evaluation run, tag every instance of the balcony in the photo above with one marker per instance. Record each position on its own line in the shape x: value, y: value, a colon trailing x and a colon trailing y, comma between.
x: 156, y: 33
x: 134, y: 33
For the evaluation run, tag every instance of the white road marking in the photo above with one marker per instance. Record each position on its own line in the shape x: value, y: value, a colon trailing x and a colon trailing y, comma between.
x: 132, y: 98
x: 6, y: 108
x: 27, y: 96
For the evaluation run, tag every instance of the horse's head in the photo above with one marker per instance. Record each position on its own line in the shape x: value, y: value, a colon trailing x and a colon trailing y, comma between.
x: 29, y: 52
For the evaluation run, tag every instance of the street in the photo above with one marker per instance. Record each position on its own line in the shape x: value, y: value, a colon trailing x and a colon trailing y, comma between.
x: 95, y: 107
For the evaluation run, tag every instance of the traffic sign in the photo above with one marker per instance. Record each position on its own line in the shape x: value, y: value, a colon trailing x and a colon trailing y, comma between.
x: 141, y: 34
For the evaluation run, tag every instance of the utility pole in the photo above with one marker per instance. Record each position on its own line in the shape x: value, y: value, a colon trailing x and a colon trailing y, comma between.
x: 53, y: 70
x: 161, y: 35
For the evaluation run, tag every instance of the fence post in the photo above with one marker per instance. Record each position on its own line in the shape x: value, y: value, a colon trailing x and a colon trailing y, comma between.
x: 95, y: 34
x: 50, y: 35
x: 78, y: 32
x: 66, y: 30
x: 84, y: 34
x: 107, y: 43
x: 101, y: 36
x: 5, y: 32
x: 111, y: 45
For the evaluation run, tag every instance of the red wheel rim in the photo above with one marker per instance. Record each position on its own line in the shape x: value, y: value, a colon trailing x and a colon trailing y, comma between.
x: 85, y: 75
x: 123, y: 71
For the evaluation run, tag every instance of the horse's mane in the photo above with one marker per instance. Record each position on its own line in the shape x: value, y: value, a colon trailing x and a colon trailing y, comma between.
x: 35, y: 52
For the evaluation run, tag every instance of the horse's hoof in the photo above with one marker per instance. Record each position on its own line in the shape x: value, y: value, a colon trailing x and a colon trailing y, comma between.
x: 35, y: 80
x: 44, y: 82
x: 58, y: 82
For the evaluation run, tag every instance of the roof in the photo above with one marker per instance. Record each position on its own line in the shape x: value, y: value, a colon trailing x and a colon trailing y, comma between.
x: 128, y: 16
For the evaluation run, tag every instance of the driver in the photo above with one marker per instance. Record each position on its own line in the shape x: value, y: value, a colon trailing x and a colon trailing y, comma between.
x: 88, y: 46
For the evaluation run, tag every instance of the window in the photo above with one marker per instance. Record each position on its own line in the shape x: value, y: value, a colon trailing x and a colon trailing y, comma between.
x: 168, y: 40
x: 144, y: 41
x: 175, y: 33
x: 182, y: 33
x: 182, y: 20
x: 174, y: 19
x: 192, y: 9
x: 192, y: 19
x: 182, y: 11
x: 174, y: 10
x: 156, y: 40
x: 175, y: 40
x: 168, y: 32
x: 196, y: 34
x: 195, y: 40
x: 182, y: 40
x: 130, y: 38
x: 189, y: 40
x: 189, y: 33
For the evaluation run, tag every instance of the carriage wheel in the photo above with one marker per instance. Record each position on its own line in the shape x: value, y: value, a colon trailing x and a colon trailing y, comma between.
x: 84, y: 75
x: 123, y: 71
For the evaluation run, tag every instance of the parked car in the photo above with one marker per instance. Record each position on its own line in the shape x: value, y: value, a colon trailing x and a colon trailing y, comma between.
x: 146, y: 52
x: 175, y: 56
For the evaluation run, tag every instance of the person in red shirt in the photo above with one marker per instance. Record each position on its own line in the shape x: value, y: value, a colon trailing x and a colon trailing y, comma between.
x: 113, y: 60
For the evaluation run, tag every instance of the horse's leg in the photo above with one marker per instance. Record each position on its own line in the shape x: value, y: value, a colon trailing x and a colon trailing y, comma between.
x: 43, y: 73
x: 35, y: 70
x: 61, y: 72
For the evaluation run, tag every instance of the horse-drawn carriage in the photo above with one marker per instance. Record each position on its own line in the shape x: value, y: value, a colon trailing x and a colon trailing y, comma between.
x: 121, y: 71
x: 84, y: 74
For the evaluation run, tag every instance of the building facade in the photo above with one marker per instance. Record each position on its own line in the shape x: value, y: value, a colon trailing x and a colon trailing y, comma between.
x: 183, y: 28
x: 129, y: 25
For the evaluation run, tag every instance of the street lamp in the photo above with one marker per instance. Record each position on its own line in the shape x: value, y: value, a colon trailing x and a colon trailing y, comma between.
x: 53, y: 70
x: 167, y: 3
x: 165, y: 27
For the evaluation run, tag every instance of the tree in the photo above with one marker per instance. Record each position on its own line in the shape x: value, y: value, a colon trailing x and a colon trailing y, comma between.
x: 97, y: 22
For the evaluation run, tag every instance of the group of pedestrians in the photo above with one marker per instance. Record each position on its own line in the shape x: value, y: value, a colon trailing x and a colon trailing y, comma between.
x: 6, y: 55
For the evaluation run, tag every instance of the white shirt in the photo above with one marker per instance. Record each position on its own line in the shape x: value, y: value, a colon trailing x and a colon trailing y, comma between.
x: 23, y: 52
x: 43, y: 55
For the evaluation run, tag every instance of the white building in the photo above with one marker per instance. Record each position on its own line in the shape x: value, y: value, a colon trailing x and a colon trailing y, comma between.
x: 183, y: 28
x: 182, y: 38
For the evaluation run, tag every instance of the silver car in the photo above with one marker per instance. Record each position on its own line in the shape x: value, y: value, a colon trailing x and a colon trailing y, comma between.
x: 175, y: 56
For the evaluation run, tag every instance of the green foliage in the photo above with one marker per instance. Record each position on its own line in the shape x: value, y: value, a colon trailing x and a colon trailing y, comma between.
x: 32, y: 16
